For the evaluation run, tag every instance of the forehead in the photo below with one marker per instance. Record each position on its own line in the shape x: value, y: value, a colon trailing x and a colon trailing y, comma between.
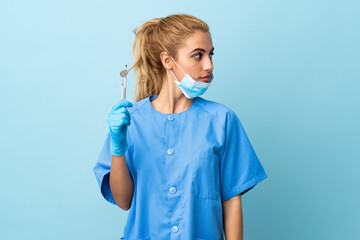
x: 198, y: 39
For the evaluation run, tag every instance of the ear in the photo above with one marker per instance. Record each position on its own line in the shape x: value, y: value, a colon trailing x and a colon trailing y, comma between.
x: 166, y: 60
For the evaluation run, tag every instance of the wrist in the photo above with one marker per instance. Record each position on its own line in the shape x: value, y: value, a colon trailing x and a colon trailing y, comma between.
x: 118, y: 150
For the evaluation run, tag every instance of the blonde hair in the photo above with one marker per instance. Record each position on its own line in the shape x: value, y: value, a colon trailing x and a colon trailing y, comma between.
x: 151, y: 39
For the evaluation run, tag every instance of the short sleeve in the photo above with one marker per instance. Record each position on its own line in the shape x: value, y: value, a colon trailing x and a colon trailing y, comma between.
x: 240, y: 168
x: 102, y: 170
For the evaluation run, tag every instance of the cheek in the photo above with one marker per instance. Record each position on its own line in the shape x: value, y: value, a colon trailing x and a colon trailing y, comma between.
x: 194, y: 71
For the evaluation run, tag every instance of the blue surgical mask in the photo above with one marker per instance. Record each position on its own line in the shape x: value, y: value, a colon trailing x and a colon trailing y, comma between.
x: 189, y: 87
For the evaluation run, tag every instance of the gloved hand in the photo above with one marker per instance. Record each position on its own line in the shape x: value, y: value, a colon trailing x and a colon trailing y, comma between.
x: 119, y: 119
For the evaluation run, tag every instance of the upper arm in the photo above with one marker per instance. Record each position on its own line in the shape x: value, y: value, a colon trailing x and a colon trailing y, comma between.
x: 231, y: 201
x: 240, y: 168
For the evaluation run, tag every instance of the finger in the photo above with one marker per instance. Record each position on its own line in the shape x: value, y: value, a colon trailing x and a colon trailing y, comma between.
x: 118, y: 119
x: 117, y: 123
x: 122, y: 103
x: 120, y: 112
x: 126, y: 122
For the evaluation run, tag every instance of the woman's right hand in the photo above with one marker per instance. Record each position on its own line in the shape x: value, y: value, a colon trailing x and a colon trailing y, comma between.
x: 119, y: 119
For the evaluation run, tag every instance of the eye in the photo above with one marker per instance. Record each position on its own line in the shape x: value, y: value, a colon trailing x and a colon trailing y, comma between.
x: 197, y: 56
x: 211, y: 55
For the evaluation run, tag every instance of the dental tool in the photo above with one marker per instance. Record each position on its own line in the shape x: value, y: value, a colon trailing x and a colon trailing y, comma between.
x: 123, y: 74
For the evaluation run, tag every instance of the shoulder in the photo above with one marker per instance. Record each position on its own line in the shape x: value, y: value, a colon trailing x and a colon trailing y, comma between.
x: 219, y: 111
x: 137, y: 105
x: 212, y: 106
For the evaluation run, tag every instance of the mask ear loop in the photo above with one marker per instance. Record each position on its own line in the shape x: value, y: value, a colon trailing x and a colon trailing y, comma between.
x: 177, y: 66
x: 173, y: 75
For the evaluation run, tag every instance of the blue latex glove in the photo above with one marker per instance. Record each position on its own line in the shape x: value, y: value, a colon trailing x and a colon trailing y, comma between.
x: 119, y: 120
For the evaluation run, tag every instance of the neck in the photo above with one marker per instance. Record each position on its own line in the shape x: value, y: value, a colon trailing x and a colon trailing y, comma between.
x: 170, y: 99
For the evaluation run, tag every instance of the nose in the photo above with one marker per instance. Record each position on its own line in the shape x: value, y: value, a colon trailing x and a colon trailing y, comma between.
x: 208, y: 65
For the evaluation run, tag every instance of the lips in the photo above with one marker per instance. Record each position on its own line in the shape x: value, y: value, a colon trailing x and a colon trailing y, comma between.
x: 205, y: 78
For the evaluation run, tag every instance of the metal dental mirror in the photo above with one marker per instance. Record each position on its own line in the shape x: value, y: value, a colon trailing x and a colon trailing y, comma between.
x: 123, y: 74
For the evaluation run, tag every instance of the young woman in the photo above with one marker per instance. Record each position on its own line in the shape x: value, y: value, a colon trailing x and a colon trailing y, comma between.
x: 179, y: 162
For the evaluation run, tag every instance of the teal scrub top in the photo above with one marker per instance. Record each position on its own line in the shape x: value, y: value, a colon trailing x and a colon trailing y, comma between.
x: 184, y: 165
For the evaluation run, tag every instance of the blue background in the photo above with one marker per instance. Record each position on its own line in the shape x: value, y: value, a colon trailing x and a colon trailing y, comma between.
x: 289, y: 69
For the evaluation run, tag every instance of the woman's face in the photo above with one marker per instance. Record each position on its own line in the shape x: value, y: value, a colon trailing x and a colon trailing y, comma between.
x: 195, y: 57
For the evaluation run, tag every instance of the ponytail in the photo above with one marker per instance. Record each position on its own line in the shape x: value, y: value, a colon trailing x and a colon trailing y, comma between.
x: 151, y: 39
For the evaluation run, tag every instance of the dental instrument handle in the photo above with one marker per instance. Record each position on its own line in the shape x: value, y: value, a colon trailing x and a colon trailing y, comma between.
x: 123, y: 74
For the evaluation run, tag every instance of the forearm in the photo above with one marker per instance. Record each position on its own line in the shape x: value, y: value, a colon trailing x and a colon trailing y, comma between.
x: 121, y: 183
x: 233, y: 218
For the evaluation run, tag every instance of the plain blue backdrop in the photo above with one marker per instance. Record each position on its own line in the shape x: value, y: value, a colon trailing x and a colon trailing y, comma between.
x: 289, y: 69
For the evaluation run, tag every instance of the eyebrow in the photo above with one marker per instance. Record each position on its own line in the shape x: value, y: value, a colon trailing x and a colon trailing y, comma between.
x: 201, y: 50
